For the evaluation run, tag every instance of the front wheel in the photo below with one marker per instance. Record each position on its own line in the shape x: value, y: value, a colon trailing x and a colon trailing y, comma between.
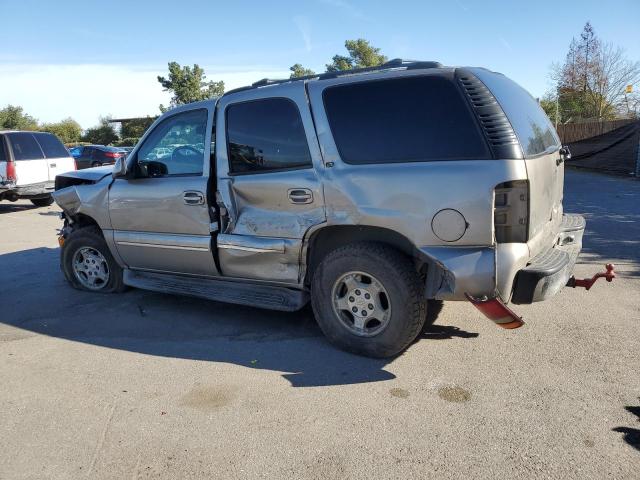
x: 42, y: 202
x: 87, y: 263
x: 368, y: 299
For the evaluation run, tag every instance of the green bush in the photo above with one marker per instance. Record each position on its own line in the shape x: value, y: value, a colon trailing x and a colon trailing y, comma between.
x: 127, y: 142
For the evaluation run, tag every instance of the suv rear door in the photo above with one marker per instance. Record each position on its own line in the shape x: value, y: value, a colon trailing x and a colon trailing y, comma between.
x: 268, y: 188
x: 31, y: 165
x: 58, y: 158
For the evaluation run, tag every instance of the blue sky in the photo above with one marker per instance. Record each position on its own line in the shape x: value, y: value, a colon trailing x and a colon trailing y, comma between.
x: 89, y: 58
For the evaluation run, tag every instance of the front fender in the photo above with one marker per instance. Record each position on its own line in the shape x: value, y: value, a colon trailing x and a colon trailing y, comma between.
x: 88, y: 199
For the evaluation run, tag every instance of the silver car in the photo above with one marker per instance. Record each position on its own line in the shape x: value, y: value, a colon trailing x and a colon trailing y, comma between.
x: 366, y: 192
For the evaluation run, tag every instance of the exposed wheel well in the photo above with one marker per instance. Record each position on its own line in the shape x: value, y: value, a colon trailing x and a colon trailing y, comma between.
x: 80, y: 220
x: 329, y: 238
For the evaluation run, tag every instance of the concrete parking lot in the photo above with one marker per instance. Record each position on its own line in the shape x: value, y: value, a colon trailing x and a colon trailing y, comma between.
x: 143, y: 385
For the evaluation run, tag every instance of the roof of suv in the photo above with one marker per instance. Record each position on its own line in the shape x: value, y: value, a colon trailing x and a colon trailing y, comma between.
x: 8, y: 130
x: 395, y: 64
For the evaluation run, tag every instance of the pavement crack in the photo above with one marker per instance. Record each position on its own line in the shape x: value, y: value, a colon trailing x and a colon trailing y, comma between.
x: 101, y: 440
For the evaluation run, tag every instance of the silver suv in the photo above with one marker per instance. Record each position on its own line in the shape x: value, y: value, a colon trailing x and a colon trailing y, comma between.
x: 367, y: 192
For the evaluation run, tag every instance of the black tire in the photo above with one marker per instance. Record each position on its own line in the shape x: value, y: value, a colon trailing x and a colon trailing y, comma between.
x: 399, y: 278
x: 90, y: 237
x: 42, y: 202
x: 96, y: 164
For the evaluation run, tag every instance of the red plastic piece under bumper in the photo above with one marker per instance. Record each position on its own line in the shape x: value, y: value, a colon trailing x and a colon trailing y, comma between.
x: 496, y: 311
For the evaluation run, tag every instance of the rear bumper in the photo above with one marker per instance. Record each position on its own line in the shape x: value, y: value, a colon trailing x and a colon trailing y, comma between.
x: 34, y: 190
x: 546, y: 274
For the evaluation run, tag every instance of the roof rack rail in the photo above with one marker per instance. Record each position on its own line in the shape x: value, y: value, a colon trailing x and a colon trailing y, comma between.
x: 394, y: 63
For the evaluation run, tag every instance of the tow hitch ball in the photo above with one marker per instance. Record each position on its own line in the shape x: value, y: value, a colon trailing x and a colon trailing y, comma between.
x: 495, y: 309
x: 587, y: 283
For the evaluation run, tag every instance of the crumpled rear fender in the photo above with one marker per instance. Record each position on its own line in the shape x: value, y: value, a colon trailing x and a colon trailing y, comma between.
x: 461, y: 270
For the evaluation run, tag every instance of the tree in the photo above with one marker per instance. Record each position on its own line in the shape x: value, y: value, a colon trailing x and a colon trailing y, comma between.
x: 548, y: 104
x: 188, y: 85
x: 607, y: 82
x: 298, y: 70
x: 135, y: 127
x: 102, y: 134
x: 591, y: 82
x: 67, y: 130
x: 361, y: 54
x: 14, y: 118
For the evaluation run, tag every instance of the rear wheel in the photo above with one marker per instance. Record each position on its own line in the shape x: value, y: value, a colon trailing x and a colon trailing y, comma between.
x: 87, y: 263
x: 368, y: 299
x: 96, y: 164
x: 42, y: 202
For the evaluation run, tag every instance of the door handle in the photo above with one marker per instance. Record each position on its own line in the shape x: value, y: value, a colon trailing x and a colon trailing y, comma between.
x: 193, y: 197
x: 300, y: 195
x: 52, y: 165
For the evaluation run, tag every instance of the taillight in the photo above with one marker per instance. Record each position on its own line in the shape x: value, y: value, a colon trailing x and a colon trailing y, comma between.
x: 511, y: 212
x: 112, y: 154
x: 11, y: 172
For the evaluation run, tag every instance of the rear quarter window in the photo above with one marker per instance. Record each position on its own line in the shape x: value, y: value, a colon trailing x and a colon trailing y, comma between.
x: 411, y: 119
x: 24, y: 146
x: 531, y: 125
x: 51, y: 145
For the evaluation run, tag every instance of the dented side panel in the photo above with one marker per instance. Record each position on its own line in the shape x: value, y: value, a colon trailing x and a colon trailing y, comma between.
x: 405, y: 198
x: 264, y: 227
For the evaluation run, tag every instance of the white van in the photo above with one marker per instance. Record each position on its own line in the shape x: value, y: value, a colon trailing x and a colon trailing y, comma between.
x: 29, y: 163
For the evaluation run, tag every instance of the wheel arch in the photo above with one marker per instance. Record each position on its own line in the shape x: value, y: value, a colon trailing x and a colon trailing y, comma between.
x: 325, y: 239
x: 82, y: 220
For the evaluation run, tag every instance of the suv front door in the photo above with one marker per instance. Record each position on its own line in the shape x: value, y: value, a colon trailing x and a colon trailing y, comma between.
x: 160, y: 215
x: 268, y: 188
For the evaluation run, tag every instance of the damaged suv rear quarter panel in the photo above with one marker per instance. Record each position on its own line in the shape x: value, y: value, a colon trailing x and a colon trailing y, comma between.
x: 396, y: 197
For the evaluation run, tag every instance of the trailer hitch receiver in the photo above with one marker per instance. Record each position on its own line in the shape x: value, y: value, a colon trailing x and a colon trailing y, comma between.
x: 587, y: 283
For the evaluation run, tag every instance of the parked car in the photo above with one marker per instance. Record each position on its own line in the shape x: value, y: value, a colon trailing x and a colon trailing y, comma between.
x: 367, y: 192
x: 96, y: 155
x: 29, y: 163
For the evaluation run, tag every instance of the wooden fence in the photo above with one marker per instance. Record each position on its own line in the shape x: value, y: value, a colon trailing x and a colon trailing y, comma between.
x: 573, y: 132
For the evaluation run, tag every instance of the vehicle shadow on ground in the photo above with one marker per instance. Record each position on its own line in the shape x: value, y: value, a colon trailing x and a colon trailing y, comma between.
x: 631, y: 435
x: 182, y: 327
x: 613, y: 218
x: 15, y: 207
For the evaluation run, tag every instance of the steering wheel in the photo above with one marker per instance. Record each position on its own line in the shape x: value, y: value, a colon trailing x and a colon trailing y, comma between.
x: 186, y: 148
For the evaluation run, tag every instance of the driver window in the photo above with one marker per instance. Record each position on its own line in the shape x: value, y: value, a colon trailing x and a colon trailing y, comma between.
x: 175, y: 147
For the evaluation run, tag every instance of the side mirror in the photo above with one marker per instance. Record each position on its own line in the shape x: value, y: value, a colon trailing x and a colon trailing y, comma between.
x: 120, y: 168
x: 565, y: 153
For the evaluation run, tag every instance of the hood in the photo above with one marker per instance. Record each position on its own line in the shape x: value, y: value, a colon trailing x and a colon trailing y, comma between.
x: 86, y: 176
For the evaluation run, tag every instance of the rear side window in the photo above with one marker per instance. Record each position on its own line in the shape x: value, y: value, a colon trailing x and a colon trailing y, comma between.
x: 532, y: 126
x: 266, y: 135
x: 403, y: 120
x: 24, y: 146
x: 51, y: 145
